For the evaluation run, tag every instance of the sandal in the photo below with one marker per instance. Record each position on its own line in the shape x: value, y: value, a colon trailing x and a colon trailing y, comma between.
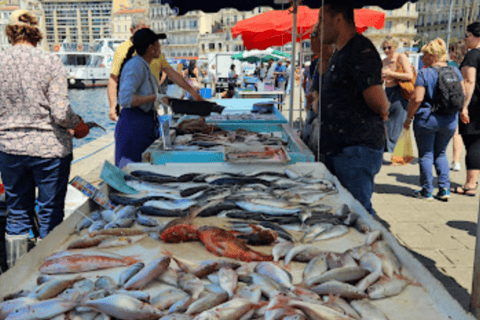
x: 465, y: 191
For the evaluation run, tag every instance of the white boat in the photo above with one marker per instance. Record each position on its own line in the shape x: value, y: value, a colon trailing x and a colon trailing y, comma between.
x: 88, y: 65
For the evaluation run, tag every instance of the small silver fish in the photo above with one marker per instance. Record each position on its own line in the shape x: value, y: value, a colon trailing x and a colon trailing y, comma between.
x: 368, y: 310
x: 129, y: 272
x: 146, y: 220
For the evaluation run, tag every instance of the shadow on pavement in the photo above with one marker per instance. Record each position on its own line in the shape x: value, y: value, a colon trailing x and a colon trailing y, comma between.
x: 458, y: 292
x: 468, y: 226
x: 392, y: 189
x: 409, y: 179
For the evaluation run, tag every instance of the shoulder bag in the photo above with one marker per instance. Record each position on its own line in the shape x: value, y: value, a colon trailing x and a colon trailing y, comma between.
x: 407, y: 87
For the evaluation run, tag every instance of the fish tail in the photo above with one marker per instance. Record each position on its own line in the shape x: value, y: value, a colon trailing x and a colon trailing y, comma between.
x: 281, y: 303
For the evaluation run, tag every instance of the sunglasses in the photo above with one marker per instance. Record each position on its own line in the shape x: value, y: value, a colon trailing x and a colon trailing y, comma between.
x: 314, y: 34
x: 387, y: 48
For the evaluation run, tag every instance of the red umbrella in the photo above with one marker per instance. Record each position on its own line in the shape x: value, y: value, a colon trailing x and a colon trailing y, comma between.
x: 274, y: 28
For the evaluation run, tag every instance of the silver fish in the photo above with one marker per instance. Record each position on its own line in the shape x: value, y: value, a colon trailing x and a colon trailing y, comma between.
x: 233, y: 309
x: 252, y: 293
x: 268, y: 286
x: 146, y: 221
x: 344, y: 274
x: 312, y: 310
x: 9, y: 306
x: 372, y: 263
x: 367, y: 310
x: 387, y: 288
x: 127, y: 212
x: 191, y: 284
x: 344, y: 290
x: 129, y: 272
x: 177, y: 316
x: 333, y: 232
x: 182, y: 204
x: 315, y: 267
x: 85, y: 223
x: 207, y: 302
x: 170, y: 276
x: 275, y: 272
x: 108, y: 215
x: 281, y: 249
x: 308, y: 250
x: 121, y: 223
x: 179, y: 306
x: 124, y: 307
x: 97, y: 225
x: 105, y: 282
x: 42, y: 310
x: 246, y: 205
x: 52, y: 288
x: 372, y: 236
x: 343, y: 305
x: 228, y: 281
x: 314, y: 231
x: 165, y: 299
x: 390, y: 263
x: 147, y: 274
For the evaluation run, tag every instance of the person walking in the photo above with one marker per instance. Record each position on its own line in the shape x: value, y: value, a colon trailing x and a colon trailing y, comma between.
x: 36, y: 127
x: 161, y: 63
x: 391, y: 77
x: 279, y: 74
x: 433, y: 129
x: 213, y: 80
x: 137, y: 127
x: 457, y: 53
x: 354, y: 104
x: 192, y: 76
x: 469, y: 126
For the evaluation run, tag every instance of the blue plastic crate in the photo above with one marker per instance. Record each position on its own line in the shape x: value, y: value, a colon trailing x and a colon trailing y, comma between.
x: 206, y: 93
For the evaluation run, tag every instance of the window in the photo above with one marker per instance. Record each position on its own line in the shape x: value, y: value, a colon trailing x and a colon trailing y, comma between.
x: 220, y: 46
x: 408, y: 25
x: 211, y: 46
x: 408, y: 7
x: 228, y: 21
x: 118, y: 28
x: 125, y: 28
x: 203, y: 47
x: 388, y: 25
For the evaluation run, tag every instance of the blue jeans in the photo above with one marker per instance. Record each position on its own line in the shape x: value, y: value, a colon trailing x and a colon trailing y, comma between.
x: 20, y: 175
x: 396, y: 117
x: 135, y: 131
x: 432, y: 134
x: 356, y: 167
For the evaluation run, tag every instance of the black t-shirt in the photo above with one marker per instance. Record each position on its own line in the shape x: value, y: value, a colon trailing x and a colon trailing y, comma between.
x: 346, y: 118
x: 472, y: 59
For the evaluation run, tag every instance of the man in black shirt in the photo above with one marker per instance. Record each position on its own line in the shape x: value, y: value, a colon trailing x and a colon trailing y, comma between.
x: 353, y: 104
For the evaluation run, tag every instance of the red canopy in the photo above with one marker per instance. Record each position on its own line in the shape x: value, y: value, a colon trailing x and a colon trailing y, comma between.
x: 274, y: 28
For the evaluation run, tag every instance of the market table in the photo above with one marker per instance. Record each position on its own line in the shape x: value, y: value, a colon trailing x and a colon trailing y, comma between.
x: 279, y: 95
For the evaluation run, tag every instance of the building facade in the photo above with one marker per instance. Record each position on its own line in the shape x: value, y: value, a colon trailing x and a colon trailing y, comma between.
x: 433, y: 18
x: 399, y: 23
x: 77, y: 22
x: 122, y: 22
x: 4, y: 16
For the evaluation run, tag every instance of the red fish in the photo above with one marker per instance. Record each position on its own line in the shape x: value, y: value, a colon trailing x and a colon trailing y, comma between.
x: 222, y: 243
x: 81, y: 263
x: 180, y: 233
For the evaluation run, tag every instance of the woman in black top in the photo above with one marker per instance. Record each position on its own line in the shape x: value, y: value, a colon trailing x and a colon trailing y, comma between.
x: 192, y: 75
x: 469, y: 126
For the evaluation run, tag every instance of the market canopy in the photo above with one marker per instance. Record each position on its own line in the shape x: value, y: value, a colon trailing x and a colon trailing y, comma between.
x: 261, y: 55
x: 274, y: 27
x: 183, y: 6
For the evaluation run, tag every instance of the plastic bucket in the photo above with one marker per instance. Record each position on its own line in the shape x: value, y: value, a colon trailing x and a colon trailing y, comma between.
x: 206, y: 93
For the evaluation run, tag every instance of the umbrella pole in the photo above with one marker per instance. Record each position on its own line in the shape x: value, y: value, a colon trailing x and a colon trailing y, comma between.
x: 292, y: 71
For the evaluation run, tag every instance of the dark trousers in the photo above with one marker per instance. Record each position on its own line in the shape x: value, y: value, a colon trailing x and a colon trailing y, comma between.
x: 135, y: 131
x: 396, y: 117
x: 21, y: 174
x: 3, y: 254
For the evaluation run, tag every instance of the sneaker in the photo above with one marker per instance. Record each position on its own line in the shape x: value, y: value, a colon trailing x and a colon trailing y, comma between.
x: 443, y: 194
x: 423, y: 194
x: 455, y: 166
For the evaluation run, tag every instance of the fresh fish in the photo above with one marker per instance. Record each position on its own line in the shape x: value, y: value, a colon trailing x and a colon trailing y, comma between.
x: 314, y: 231
x: 152, y: 187
x: 165, y: 299
x: 305, y: 294
x: 127, y: 212
x: 269, y: 286
x: 239, y: 181
x: 333, y: 232
x: 341, y: 289
x: 387, y: 288
x: 281, y: 249
x: 390, y: 263
x: 372, y: 236
x: 344, y: 274
x: 249, y: 206
x: 152, y: 271
x: 9, y: 306
x: 52, y: 288
x: 108, y: 215
x: 180, y: 306
x: 41, y: 280
x: 81, y: 263
x: 306, y: 251
x: 121, y: 223
x: 231, y: 310
x: 87, y: 242
x: 42, y: 310
x: 105, y: 282
x: 253, y: 293
x: 85, y: 223
x: 170, y: 277
x: 124, y: 307
x: 146, y: 221
x: 291, y: 174
x: 162, y: 212
x: 177, y: 316
x: 120, y: 241
x: 93, y: 124
x: 118, y: 232
x: 275, y: 272
x: 191, y: 284
x: 315, y: 267
x: 372, y: 263
x: 345, y: 306
x: 368, y: 310
x: 208, y: 301
x: 228, y: 281
x: 362, y: 226
x: 84, y: 286
x: 97, y: 225
x: 182, y: 204
x: 312, y: 310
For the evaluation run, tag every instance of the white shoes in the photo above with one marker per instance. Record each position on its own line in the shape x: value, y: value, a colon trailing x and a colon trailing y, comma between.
x: 455, y: 166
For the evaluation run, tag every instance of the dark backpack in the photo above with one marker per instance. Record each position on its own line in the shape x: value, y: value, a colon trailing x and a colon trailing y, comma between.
x: 449, y: 95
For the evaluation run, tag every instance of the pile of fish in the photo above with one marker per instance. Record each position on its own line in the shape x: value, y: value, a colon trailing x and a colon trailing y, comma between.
x: 241, y: 116
x: 283, y: 210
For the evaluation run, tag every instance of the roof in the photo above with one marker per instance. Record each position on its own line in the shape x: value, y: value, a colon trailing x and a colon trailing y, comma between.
x: 9, y: 8
x: 130, y: 11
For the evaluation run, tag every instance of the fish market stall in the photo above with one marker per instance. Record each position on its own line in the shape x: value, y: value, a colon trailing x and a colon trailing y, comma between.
x: 307, y: 220
x: 276, y: 94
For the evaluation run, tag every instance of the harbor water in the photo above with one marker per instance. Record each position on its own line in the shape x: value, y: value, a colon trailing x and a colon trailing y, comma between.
x: 91, y: 105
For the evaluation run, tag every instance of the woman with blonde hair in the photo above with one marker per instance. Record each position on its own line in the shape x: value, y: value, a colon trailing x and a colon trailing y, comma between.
x: 392, y: 77
x: 433, y: 129
x: 36, y: 127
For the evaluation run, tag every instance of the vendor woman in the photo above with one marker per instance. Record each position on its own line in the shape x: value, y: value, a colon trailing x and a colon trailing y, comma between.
x: 137, y: 127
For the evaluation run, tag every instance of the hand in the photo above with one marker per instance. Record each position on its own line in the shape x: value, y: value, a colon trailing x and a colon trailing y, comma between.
x: 198, y: 97
x: 386, y: 72
x: 464, y: 117
x: 112, y: 114
x: 160, y: 99
x: 407, y: 123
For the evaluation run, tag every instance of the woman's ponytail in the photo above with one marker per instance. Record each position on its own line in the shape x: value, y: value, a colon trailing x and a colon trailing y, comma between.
x: 129, y: 56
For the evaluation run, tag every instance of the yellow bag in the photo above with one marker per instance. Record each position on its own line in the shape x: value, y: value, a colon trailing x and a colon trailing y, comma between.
x: 403, y: 152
